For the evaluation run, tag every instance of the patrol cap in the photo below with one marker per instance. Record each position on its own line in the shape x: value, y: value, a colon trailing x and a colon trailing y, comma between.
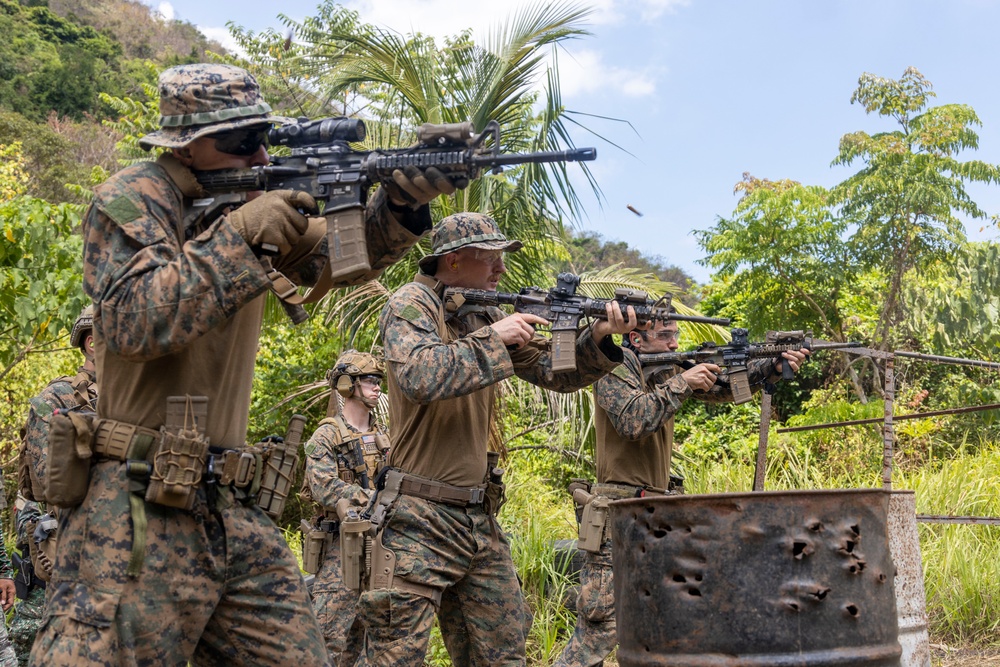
x: 465, y: 230
x: 206, y: 98
x: 84, y: 323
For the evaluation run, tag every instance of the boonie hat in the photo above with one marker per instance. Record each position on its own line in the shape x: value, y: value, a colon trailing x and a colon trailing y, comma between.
x: 206, y: 98
x: 465, y: 230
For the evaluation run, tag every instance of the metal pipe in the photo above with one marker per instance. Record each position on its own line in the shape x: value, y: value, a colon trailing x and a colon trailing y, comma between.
x: 948, y: 360
x: 942, y: 518
x: 881, y: 420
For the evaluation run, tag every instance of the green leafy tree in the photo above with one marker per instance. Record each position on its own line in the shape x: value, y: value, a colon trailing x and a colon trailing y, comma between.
x: 40, y: 266
x: 911, y: 189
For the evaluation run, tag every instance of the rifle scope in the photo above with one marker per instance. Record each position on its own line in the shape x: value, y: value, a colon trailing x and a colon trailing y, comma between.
x: 317, y: 132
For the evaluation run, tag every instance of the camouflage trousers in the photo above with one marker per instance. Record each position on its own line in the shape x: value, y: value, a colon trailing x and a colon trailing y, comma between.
x: 218, y: 586
x: 26, y: 621
x: 595, y: 635
x: 463, y: 553
x: 336, y: 610
x: 7, y: 656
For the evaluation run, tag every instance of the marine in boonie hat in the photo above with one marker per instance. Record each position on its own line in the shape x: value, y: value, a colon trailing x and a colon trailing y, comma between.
x: 465, y: 230
x: 205, y: 98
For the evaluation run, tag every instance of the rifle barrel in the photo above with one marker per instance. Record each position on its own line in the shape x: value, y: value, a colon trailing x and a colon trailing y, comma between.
x: 570, y: 155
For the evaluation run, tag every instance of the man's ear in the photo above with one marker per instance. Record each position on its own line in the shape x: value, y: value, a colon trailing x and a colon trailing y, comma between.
x: 183, y: 154
x: 635, y: 339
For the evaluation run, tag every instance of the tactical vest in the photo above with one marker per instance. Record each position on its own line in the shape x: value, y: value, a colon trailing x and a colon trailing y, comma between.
x: 374, y: 444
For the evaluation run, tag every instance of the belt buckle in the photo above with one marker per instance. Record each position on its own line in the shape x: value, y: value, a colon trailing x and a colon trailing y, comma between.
x: 476, y: 496
x: 245, y: 466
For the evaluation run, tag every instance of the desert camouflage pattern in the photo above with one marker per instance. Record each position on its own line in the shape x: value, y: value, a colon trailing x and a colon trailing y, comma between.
x: 27, y: 613
x: 441, y: 402
x: 335, y: 604
x: 205, y: 98
x: 463, y: 553
x: 595, y: 635
x: 178, y: 311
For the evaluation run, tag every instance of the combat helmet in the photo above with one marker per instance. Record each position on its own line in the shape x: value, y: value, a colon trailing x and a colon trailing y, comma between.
x: 351, y: 366
x: 84, y: 323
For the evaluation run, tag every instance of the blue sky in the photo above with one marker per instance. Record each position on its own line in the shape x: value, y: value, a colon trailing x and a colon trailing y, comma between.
x: 715, y: 89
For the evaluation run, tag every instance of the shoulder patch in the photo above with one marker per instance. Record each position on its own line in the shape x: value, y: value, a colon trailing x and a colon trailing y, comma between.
x: 620, y: 371
x: 410, y: 313
x: 122, y: 210
x: 42, y: 407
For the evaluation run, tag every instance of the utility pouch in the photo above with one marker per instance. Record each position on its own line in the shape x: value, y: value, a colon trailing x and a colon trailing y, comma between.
x: 348, y: 248
x: 355, y: 545
x: 180, y: 459
x: 42, y: 545
x: 595, y: 517
x: 279, y: 469
x: 496, y: 494
x: 314, y: 544
x: 67, y: 474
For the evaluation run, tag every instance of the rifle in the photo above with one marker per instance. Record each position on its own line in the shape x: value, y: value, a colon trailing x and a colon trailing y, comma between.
x: 323, y: 164
x: 737, y: 355
x: 350, y: 455
x: 563, y: 307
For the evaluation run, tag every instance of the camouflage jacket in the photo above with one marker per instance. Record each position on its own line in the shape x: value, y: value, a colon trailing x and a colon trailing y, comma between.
x: 322, y: 475
x: 633, y: 419
x: 58, y: 394
x: 442, y: 374
x: 178, y: 303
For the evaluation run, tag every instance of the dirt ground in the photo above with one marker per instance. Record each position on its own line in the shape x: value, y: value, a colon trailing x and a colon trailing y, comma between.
x: 945, y: 656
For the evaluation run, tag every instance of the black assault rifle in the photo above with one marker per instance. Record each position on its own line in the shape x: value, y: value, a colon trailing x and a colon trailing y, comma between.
x: 323, y: 164
x: 564, y: 308
x: 736, y: 356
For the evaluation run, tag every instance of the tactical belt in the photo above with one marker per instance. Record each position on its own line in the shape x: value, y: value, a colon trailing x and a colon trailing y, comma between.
x: 429, y: 489
x: 124, y: 442
x: 618, y: 491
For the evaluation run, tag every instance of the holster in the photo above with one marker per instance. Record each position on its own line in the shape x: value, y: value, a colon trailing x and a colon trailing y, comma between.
x: 316, y: 542
x: 355, y: 547
x: 496, y: 490
x: 67, y: 474
x: 594, y: 520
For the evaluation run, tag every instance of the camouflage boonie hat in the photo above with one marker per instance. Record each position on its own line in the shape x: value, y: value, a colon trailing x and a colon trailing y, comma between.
x: 201, y: 99
x: 465, y: 230
x: 84, y: 322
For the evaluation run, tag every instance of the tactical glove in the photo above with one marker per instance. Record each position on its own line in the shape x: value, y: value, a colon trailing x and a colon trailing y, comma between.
x: 415, y: 187
x: 273, y: 219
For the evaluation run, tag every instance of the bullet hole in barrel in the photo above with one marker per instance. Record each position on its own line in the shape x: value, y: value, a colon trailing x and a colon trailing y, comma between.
x: 852, y: 610
x: 855, y: 529
x: 646, y: 593
x: 881, y: 577
x: 694, y: 592
x: 659, y: 533
x: 799, y: 550
x: 794, y: 606
x: 642, y: 548
x: 679, y: 578
x: 856, y: 568
x: 650, y: 509
x: 698, y: 577
x: 816, y: 526
x: 820, y: 593
x: 849, y: 546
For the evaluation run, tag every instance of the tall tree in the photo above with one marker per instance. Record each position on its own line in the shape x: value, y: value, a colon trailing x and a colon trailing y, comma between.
x: 908, y: 194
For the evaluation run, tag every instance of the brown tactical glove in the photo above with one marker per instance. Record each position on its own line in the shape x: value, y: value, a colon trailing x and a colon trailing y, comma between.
x: 414, y: 187
x: 273, y: 219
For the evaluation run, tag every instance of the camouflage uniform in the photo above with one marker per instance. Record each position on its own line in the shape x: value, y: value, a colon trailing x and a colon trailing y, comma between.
x: 62, y: 393
x: 7, y: 656
x: 442, y: 373
x: 634, y: 424
x: 179, y: 306
x: 27, y: 612
x: 334, y: 603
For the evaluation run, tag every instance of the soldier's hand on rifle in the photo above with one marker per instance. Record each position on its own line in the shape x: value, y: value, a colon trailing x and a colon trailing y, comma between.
x: 794, y: 358
x: 274, y: 218
x: 701, y: 377
x: 517, y: 329
x: 415, y: 187
x: 616, y: 322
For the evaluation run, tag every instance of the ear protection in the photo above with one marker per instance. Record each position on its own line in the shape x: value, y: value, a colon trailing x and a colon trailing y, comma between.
x: 345, y: 383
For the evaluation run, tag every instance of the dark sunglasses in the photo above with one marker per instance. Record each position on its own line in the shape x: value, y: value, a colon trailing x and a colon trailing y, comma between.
x: 245, y: 141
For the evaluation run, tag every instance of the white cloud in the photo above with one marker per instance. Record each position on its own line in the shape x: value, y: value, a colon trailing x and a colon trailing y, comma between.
x: 584, y: 72
x: 166, y: 10
x: 222, y: 36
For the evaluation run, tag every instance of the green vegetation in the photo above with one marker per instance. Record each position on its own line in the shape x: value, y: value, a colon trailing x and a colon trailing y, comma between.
x: 879, y: 258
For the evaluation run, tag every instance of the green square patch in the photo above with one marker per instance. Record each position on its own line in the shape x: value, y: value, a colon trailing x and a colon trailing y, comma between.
x: 620, y: 371
x: 410, y: 313
x: 122, y: 210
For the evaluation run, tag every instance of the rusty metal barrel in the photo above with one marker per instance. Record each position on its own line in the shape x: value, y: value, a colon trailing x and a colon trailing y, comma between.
x: 776, y: 579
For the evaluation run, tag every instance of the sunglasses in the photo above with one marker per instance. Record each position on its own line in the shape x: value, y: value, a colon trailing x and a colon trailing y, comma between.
x: 245, y: 141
